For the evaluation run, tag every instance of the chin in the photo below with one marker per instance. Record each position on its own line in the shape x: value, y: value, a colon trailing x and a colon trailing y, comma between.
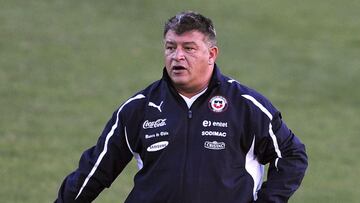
x: 179, y: 80
x: 179, y: 83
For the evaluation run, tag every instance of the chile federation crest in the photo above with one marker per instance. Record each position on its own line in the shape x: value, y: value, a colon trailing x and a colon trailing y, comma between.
x: 218, y: 104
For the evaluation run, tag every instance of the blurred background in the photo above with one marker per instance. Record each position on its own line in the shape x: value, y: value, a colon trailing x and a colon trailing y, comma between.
x: 65, y: 66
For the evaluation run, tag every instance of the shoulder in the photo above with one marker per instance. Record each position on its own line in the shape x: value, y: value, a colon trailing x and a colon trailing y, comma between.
x: 249, y: 97
x: 137, y: 103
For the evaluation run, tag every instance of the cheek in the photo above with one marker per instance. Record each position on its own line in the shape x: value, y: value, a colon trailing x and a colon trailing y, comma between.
x: 200, y: 62
x: 167, y: 59
x: 194, y: 60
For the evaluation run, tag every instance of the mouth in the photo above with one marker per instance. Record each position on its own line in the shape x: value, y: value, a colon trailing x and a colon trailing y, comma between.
x: 178, y: 68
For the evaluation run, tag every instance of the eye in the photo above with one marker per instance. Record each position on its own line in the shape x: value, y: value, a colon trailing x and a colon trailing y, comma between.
x: 189, y: 49
x: 170, y: 48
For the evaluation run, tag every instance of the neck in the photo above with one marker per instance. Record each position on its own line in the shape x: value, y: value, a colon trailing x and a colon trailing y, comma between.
x: 190, y: 92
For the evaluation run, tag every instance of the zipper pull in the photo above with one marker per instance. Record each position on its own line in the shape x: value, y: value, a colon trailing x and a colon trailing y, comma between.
x: 189, y: 114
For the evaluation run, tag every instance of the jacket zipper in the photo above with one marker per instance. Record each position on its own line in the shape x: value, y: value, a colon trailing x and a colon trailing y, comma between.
x: 189, y: 116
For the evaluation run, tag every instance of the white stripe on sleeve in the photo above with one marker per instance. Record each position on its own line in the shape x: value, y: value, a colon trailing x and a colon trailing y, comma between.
x: 136, y: 155
x: 108, y: 136
x: 255, y: 169
x: 265, y: 111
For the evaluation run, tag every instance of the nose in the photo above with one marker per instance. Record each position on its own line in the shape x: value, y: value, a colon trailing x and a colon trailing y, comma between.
x: 178, y: 54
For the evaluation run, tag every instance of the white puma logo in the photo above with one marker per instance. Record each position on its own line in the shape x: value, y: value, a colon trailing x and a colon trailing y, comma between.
x: 156, y: 106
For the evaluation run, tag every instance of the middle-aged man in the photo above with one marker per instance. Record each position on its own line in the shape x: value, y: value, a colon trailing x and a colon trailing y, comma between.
x: 197, y: 135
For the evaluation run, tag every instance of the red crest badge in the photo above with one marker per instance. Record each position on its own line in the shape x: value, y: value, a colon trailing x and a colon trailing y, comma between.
x: 218, y: 104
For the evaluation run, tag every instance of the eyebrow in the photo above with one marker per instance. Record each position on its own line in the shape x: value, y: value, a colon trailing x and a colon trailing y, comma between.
x: 184, y: 43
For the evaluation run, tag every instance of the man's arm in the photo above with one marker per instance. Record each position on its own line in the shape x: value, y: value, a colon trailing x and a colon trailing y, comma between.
x: 288, y: 162
x: 98, y: 166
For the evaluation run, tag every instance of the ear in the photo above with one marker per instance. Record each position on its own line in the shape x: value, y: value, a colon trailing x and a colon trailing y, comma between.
x: 213, y: 53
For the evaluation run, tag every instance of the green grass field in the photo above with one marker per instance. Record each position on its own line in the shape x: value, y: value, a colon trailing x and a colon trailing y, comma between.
x: 65, y: 66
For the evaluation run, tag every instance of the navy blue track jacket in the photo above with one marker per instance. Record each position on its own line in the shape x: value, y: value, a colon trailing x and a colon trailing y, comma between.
x: 213, y: 152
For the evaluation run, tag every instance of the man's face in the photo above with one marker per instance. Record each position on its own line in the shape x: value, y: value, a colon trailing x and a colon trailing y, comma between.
x: 189, y: 60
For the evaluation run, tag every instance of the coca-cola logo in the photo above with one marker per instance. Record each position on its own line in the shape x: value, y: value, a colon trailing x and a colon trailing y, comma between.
x: 154, y: 124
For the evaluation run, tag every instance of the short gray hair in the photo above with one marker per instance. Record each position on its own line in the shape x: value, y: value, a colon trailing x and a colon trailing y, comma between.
x: 188, y: 21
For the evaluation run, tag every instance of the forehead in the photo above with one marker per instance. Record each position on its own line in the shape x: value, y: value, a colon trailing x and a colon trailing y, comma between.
x: 189, y: 36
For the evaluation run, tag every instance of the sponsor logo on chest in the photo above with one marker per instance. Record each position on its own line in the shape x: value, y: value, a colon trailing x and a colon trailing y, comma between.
x: 158, y: 134
x: 154, y: 124
x: 213, y: 133
x: 157, y: 146
x: 214, y: 145
x: 207, y: 123
x: 158, y: 107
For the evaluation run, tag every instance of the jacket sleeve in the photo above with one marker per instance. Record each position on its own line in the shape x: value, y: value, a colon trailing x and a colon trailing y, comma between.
x: 98, y: 166
x: 288, y: 161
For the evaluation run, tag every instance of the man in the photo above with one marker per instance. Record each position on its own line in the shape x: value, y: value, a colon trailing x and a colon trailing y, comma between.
x: 197, y: 135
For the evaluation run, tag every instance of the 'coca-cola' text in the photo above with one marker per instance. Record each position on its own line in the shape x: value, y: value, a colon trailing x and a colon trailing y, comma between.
x: 154, y: 124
